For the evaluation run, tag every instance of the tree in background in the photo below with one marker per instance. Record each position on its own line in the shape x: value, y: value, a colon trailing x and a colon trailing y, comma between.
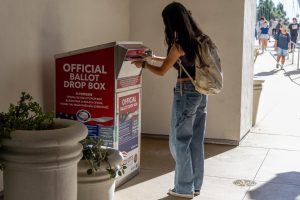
x: 267, y: 9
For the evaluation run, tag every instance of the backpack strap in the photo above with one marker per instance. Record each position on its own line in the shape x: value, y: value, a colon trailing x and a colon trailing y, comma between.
x: 180, y: 72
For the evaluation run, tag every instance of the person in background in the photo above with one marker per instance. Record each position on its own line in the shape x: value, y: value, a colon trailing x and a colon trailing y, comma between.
x: 188, y: 121
x: 272, y: 30
x: 279, y: 24
x: 264, y: 35
x: 271, y: 22
x: 258, y: 26
x: 294, y: 27
x: 282, y: 44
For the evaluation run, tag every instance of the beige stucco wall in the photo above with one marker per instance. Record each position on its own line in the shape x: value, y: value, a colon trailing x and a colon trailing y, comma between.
x: 32, y: 31
x: 229, y: 114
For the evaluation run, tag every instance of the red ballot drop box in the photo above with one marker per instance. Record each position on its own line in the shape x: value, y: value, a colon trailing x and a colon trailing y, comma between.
x: 99, y: 87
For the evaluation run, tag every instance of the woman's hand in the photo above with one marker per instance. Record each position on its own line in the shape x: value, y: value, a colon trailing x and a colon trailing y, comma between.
x: 138, y: 63
x: 173, y: 55
x: 275, y: 45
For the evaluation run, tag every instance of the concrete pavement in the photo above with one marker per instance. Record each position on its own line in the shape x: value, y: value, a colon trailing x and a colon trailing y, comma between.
x: 266, y: 165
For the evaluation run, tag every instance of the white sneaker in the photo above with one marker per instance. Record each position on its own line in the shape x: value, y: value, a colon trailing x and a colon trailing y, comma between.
x: 175, y: 194
x: 196, y: 192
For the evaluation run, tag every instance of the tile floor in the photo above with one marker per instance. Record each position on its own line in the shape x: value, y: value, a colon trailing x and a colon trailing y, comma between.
x: 269, y: 155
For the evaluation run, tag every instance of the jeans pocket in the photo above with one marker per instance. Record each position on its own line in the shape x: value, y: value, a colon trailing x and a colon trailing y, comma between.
x: 186, y: 107
x: 192, y: 103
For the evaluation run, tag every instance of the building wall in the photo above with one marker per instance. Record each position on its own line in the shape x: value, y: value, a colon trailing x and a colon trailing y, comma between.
x: 32, y: 31
x: 146, y: 25
x: 248, y: 55
x: 224, y: 21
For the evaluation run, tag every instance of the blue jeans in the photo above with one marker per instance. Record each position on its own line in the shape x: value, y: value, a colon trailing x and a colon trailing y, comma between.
x: 282, y: 52
x: 186, y: 138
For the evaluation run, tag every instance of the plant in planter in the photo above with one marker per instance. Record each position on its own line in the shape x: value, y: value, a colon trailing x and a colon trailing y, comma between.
x: 96, y: 154
x: 40, y: 153
x: 98, y: 169
x: 26, y: 115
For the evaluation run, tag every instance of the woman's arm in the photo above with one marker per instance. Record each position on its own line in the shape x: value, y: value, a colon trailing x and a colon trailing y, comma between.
x: 174, y: 54
x: 158, y: 58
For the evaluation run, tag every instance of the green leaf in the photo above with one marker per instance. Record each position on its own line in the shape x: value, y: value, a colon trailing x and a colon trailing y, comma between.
x: 25, y: 115
x: 119, y: 173
x: 89, y: 171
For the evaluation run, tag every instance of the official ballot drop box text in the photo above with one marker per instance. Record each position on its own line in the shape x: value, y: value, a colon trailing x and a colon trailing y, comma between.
x: 99, y: 87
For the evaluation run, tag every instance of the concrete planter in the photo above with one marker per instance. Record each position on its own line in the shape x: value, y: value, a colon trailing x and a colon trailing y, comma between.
x: 257, y: 88
x: 98, y: 186
x: 42, y: 165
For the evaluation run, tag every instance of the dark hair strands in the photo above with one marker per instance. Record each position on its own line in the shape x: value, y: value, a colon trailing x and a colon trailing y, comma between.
x: 180, y: 28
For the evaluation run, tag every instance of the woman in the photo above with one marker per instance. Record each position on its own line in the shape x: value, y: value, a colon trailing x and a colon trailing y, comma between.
x: 189, y: 107
x: 282, y: 44
x: 264, y: 35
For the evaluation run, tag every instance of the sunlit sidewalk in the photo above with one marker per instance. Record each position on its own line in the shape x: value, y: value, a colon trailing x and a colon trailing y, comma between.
x: 266, y: 165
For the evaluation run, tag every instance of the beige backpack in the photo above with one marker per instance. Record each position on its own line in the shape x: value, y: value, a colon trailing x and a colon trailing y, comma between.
x: 208, y: 72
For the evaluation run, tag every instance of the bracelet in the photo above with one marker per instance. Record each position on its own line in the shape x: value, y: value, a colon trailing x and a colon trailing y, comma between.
x: 144, y: 64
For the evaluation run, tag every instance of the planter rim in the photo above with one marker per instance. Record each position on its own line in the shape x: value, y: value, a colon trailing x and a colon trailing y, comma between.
x: 65, y: 132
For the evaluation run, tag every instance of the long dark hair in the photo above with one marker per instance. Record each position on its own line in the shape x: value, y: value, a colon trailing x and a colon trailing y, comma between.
x: 180, y: 28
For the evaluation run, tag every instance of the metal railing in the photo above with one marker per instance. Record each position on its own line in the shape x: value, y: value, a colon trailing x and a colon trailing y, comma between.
x: 296, y: 46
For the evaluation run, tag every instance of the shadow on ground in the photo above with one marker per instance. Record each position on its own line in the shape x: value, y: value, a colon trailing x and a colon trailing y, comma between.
x: 156, y: 159
x: 279, y: 188
x: 292, y: 75
x: 269, y: 73
x: 170, y: 198
x: 289, y: 73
